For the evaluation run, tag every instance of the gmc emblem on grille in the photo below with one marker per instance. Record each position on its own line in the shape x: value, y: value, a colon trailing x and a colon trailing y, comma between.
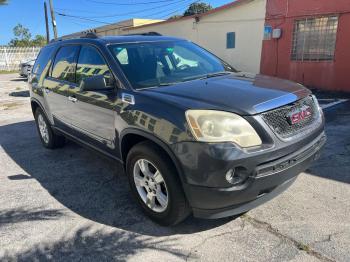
x: 299, y: 115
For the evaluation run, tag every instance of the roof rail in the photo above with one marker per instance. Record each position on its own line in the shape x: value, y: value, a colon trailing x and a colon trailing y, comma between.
x: 85, y: 34
x: 147, y: 34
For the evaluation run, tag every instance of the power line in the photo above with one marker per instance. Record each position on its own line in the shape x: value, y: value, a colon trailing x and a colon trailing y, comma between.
x: 111, y: 3
x: 167, y: 15
x: 71, y: 20
x: 83, y: 18
x: 107, y: 23
x: 121, y: 27
x: 135, y: 12
x: 184, y: 5
x: 129, y: 4
x: 77, y: 10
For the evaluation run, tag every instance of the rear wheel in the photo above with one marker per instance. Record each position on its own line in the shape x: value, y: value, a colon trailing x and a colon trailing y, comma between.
x: 155, y: 184
x: 48, y: 138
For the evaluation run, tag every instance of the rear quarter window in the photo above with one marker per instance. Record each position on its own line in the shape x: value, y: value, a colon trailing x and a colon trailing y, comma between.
x: 42, y: 60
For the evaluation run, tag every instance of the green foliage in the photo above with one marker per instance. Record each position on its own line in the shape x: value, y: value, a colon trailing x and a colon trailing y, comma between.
x: 197, y: 8
x: 4, y: 2
x: 174, y: 17
x: 39, y: 40
x: 22, y: 32
x: 4, y: 72
x: 23, y: 38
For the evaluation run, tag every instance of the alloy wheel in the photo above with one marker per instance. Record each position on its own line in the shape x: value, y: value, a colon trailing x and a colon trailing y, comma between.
x: 44, y: 132
x: 150, y: 185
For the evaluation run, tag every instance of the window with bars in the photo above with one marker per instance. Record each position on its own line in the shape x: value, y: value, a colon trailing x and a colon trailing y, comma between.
x: 314, y: 38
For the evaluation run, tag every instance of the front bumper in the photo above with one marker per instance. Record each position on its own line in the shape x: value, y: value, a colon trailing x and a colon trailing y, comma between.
x: 271, y: 173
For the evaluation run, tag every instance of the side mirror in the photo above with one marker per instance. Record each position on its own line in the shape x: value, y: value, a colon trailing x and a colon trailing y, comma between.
x: 94, y: 83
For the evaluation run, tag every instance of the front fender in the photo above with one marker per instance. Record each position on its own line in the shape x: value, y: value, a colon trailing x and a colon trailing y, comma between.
x: 162, y: 144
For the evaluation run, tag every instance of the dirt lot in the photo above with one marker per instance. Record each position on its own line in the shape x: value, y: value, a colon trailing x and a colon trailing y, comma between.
x: 73, y: 205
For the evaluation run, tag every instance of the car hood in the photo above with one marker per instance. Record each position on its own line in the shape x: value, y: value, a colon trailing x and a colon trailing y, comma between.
x: 241, y: 93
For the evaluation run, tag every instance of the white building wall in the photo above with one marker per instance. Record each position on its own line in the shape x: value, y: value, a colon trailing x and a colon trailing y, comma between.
x: 246, y: 20
x: 181, y: 28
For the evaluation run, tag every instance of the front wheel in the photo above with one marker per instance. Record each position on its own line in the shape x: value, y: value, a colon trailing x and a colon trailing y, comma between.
x: 155, y: 184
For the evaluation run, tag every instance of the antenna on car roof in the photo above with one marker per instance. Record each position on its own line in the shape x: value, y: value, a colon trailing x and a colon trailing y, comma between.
x: 89, y: 34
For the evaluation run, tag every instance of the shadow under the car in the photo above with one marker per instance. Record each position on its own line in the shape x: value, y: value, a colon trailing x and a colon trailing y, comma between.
x: 334, y: 162
x: 24, y: 93
x: 21, y: 79
x: 86, y: 183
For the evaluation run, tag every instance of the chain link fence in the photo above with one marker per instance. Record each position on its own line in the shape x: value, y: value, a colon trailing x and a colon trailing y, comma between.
x: 11, y: 57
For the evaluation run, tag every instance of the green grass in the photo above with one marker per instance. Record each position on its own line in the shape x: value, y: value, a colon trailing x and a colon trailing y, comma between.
x: 8, y: 72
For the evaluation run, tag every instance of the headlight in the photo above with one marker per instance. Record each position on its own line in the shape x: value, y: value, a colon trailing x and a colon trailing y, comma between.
x: 219, y: 126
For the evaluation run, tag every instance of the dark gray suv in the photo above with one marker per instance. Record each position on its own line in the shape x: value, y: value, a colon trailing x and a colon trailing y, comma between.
x: 194, y: 135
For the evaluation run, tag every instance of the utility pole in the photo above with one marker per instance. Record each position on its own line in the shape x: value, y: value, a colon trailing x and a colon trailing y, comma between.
x: 46, y: 24
x: 53, y: 20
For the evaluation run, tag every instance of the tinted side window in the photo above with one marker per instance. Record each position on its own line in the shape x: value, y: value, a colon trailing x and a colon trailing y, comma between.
x: 42, y: 59
x: 64, y: 66
x: 122, y: 56
x: 91, y: 63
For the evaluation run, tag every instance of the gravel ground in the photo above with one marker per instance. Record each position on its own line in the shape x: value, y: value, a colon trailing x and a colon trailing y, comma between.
x: 71, y: 204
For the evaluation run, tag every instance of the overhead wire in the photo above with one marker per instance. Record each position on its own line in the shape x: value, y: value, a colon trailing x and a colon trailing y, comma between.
x: 121, y: 27
x: 128, y: 4
x: 134, y: 12
x: 76, y: 10
x: 186, y: 2
x: 112, y: 3
x: 178, y: 10
x: 82, y: 18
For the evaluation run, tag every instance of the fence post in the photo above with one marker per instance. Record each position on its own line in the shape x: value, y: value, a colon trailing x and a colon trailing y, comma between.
x: 6, y: 59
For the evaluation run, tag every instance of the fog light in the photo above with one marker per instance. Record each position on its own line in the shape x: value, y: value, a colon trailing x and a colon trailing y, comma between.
x: 236, y: 176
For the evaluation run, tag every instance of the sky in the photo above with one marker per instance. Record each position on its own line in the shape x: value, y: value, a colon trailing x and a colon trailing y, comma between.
x: 85, y: 14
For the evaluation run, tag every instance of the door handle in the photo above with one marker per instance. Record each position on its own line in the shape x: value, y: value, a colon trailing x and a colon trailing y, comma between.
x: 72, y: 99
x: 47, y: 90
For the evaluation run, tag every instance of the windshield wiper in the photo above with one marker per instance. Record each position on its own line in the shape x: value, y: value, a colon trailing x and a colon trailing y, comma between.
x: 199, y: 77
x: 207, y: 76
x: 215, y: 74
x: 167, y: 84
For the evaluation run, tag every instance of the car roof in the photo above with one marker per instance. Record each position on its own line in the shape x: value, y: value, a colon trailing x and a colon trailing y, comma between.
x: 117, y: 39
x: 137, y: 38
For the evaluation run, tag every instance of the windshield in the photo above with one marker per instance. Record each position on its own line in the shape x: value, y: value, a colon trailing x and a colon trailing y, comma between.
x: 164, y: 63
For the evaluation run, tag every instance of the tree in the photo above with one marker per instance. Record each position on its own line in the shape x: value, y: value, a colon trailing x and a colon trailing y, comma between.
x: 197, y: 8
x: 39, y: 40
x: 3, y: 2
x: 22, y: 32
x: 174, y: 17
x: 23, y: 37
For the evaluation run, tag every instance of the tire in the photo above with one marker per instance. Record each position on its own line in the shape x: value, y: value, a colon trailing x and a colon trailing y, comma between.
x: 48, y: 138
x: 176, y: 208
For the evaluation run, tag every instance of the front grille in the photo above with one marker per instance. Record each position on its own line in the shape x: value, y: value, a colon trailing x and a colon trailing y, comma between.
x: 278, y: 119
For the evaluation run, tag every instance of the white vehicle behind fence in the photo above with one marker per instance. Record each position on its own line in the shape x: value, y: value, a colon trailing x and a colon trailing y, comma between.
x: 26, y: 67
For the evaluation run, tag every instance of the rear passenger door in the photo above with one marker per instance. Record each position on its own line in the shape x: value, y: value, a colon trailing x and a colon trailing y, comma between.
x: 93, y: 110
x: 61, y: 78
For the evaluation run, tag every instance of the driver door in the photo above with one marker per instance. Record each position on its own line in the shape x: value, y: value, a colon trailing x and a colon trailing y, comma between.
x: 93, y: 111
